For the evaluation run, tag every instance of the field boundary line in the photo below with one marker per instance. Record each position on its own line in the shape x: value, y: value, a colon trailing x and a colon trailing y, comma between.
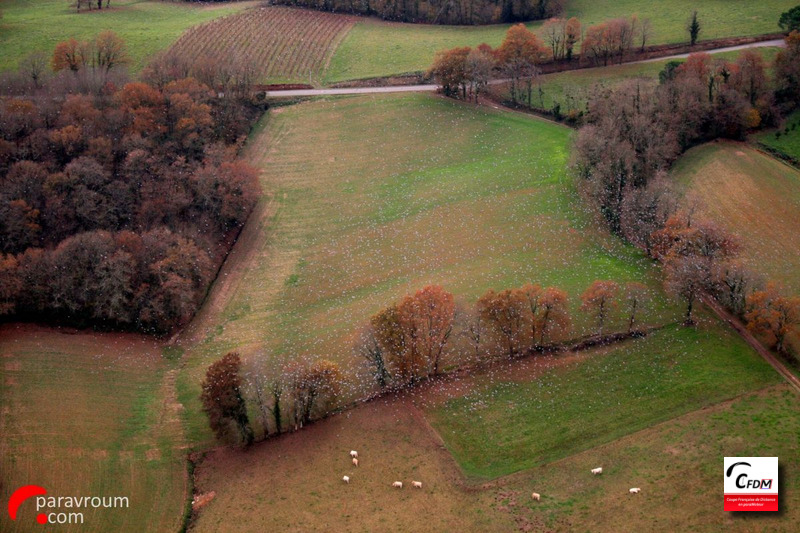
x: 713, y: 407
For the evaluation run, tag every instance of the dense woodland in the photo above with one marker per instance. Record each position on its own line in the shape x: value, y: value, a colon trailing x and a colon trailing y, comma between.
x: 440, y: 11
x: 118, y: 199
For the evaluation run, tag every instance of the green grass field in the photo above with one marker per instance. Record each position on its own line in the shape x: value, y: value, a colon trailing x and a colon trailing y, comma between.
x: 678, y: 466
x: 755, y: 196
x: 501, y: 427
x: 90, y: 414
x: 466, y: 197
x: 788, y: 142
x: 146, y: 26
x: 375, y: 48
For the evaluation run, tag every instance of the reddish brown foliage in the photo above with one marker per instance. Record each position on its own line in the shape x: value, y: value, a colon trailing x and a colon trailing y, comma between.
x: 223, y: 402
x: 773, y: 315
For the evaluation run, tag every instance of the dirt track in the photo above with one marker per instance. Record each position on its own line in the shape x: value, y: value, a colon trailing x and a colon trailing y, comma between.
x: 734, y: 322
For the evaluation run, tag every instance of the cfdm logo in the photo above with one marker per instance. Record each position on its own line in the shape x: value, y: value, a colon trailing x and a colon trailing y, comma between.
x: 751, y: 483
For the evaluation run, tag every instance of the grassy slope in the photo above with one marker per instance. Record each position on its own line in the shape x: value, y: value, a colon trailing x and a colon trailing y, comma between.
x: 146, y: 27
x: 499, y: 428
x: 374, y: 48
x: 465, y: 197
x: 377, y: 48
x: 294, y: 482
x: 90, y: 414
x: 678, y: 466
x: 788, y: 142
x: 755, y: 196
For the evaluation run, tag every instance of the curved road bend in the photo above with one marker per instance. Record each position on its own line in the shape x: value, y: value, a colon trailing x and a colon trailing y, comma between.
x: 432, y: 87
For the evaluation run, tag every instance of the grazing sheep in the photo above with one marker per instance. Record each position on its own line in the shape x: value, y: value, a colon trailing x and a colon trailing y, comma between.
x: 398, y: 484
x: 417, y: 484
x: 635, y: 490
x: 355, y: 461
x: 598, y: 470
x: 354, y: 454
x: 346, y: 479
x: 536, y: 496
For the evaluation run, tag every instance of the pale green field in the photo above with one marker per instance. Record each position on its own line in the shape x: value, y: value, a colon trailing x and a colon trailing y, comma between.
x: 146, y: 26
x: 503, y: 426
x: 91, y: 414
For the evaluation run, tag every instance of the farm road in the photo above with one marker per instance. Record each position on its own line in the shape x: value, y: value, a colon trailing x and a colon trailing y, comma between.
x: 432, y: 87
x: 734, y: 322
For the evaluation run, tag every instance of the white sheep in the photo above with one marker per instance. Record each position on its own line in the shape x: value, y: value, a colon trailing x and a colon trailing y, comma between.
x: 355, y: 461
x: 417, y: 484
x: 354, y: 454
x: 346, y: 479
x: 536, y: 496
x: 398, y: 484
x: 635, y: 490
x: 598, y: 470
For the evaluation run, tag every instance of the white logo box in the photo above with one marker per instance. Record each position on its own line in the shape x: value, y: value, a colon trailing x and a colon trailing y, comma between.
x: 751, y: 483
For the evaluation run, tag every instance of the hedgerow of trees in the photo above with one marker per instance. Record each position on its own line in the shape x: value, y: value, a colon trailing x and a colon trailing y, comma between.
x: 441, y: 11
x: 424, y: 335
x: 118, y: 199
x: 632, y: 135
x: 465, y: 73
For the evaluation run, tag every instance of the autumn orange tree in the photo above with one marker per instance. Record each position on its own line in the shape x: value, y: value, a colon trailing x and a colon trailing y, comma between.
x: 599, y: 299
x: 223, y: 401
x: 525, y: 318
x: 414, y: 333
x: 773, y: 315
x: 519, y: 54
x: 69, y: 55
x: 449, y: 69
x: 506, y: 311
x: 692, y: 249
x: 109, y: 51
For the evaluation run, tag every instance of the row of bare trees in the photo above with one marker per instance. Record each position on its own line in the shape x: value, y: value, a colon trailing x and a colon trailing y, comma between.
x: 700, y: 258
x: 291, y: 398
x: 464, y: 72
x: 425, y: 334
x: 409, y: 341
x: 89, y: 5
x: 615, y: 39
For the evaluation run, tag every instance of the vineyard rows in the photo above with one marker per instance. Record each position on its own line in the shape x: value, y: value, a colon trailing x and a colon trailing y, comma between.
x: 285, y: 44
